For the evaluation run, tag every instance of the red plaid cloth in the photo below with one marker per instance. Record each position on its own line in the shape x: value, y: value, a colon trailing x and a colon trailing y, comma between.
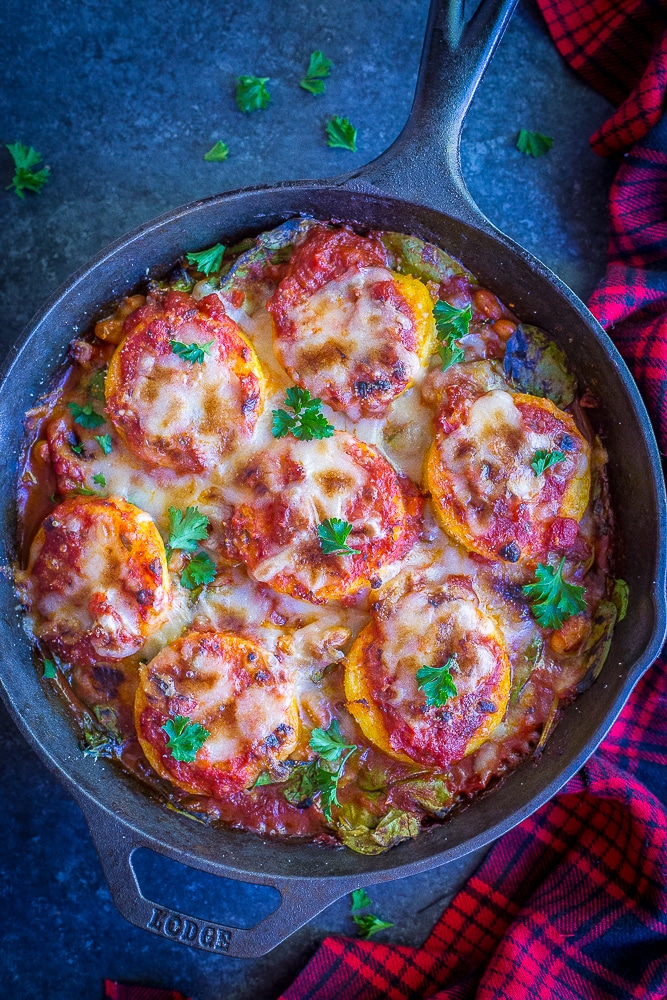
x: 571, y: 904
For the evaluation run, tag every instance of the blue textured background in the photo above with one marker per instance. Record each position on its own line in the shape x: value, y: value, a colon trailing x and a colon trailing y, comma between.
x: 123, y: 100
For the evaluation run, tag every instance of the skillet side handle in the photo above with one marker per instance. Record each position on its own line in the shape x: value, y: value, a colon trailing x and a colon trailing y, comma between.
x: 423, y: 164
x: 300, y: 899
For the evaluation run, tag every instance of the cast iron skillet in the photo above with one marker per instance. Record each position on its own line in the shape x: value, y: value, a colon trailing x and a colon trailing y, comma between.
x: 416, y: 187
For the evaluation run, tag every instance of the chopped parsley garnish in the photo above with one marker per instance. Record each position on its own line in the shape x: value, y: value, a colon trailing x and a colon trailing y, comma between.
x: 86, y: 416
x: 552, y: 599
x: 76, y: 446
x: 198, y: 572
x: 96, y: 385
x: 251, y: 93
x: 25, y: 178
x: 99, y: 479
x: 186, y: 529
x: 333, y: 537
x: 85, y: 491
x: 312, y: 780
x: 185, y: 738
x: 318, y: 68
x: 217, y: 153
x: 437, y: 683
x: 329, y: 743
x: 194, y: 353
x: 450, y: 325
x: 341, y: 134
x: 49, y: 669
x: 360, y: 900
x: 533, y: 143
x: 307, y: 421
x: 545, y: 459
x: 104, y: 441
x: 369, y: 924
x: 207, y: 261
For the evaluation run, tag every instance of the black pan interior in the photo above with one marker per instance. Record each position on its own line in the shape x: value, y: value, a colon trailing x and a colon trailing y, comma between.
x: 637, y: 495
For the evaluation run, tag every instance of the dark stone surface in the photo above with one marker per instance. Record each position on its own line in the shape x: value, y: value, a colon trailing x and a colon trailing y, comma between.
x: 123, y: 100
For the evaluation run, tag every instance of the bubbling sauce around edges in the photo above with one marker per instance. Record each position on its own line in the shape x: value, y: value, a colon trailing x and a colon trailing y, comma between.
x: 381, y: 798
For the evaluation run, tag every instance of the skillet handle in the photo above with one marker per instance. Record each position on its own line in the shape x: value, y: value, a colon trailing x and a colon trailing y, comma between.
x: 423, y: 164
x: 301, y: 898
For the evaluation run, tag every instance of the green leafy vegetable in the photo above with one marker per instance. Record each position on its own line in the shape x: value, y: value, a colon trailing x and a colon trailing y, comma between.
x: 360, y: 900
x: 207, y: 261
x: 369, y: 924
x: 535, y: 365
x: 262, y: 779
x: 86, y: 416
x: 185, y: 738
x: 533, y: 143
x: 341, y: 134
x: 25, y: 178
x: 333, y: 537
x: 251, y: 93
x: 307, y: 421
x: 410, y: 255
x: 104, y: 441
x: 99, y: 479
x: 194, y: 353
x: 217, y: 153
x: 451, y: 324
x: 101, y: 736
x: 552, y: 599
x: 186, y: 529
x: 329, y: 743
x: 50, y: 669
x: 545, y: 459
x: 96, y: 385
x: 198, y: 572
x: 437, y: 683
x: 318, y: 68
x: 619, y: 596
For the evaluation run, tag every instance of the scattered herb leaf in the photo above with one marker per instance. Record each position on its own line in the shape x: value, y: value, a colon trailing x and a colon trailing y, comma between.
x: 50, y: 669
x: 262, y: 779
x: 207, y: 261
x: 333, y: 537
x: 318, y: 68
x: 194, y: 353
x: 437, y: 683
x: 185, y: 738
x: 329, y: 743
x: 99, y: 479
x: 251, y: 93
x: 451, y: 324
x: 341, y: 134
x: 104, y: 441
x: 369, y: 924
x: 308, y: 781
x: 86, y: 416
x: 198, y: 572
x: 307, y: 422
x: 533, y: 143
x: 76, y: 446
x: 552, y: 599
x: 186, y: 529
x: 84, y: 491
x: 25, y: 178
x: 360, y: 900
x: 545, y: 459
x: 217, y: 153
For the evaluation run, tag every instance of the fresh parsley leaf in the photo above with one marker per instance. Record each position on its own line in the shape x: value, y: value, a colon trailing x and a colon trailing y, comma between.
x: 318, y: 68
x: 49, y: 669
x: 185, y: 738
x: 341, y: 134
x: 84, y: 491
x: 86, y: 416
x: 217, y: 153
x: 533, y: 143
x: 186, y: 529
x: 262, y: 779
x: 450, y: 354
x: 333, y: 535
x: 96, y: 385
x: 545, y: 459
x: 369, y: 924
x: 104, y: 441
x: 99, y: 479
x: 76, y: 446
x: 308, y: 421
x: 329, y: 743
x: 25, y: 178
x: 437, y: 683
x: 451, y: 324
x: 194, y: 353
x: 207, y: 261
x: 251, y: 93
x: 198, y: 572
x: 360, y: 900
x: 552, y: 599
